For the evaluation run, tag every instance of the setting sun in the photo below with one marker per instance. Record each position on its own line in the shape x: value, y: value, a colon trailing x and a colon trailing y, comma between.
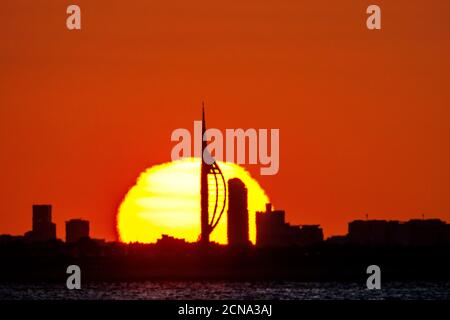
x: 166, y: 200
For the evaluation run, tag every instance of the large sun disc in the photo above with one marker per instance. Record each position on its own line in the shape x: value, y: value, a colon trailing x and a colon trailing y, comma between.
x: 166, y: 200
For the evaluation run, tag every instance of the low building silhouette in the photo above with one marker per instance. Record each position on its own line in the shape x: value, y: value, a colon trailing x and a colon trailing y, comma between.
x: 76, y: 229
x: 43, y: 229
x: 337, y: 240
x: 424, y: 232
x: 309, y: 235
x: 412, y: 232
x: 237, y: 224
x: 6, y: 239
x: 273, y: 231
x: 169, y: 244
x: 373, y: 232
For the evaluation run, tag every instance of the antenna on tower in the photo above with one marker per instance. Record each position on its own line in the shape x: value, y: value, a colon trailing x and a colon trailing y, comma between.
x: 203, y: 117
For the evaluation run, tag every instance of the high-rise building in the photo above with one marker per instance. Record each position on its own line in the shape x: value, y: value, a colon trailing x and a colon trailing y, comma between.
x: 43, y: 228
x: 237, y: 226
x: 76, y: 229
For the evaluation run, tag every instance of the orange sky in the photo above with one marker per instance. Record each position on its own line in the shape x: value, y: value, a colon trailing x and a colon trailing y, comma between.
x: 364, y: 116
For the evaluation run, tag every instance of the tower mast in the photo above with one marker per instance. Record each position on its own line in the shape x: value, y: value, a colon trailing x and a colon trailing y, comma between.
x: 204, y: 216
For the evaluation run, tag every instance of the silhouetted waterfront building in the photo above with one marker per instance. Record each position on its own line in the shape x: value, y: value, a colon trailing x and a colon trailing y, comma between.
x: 425, y: 232
x: 273, y: 231
x: 374, y: 232
x: 412, y: 232
x: 76, y: 229
x: 167, y: 240
x: 270, y: 227
x: 237, y: 225
x: 8, y: 239
x: 337, y: 240
x: 168, y: 245
x: 43, y: 228
x: 308, y: 234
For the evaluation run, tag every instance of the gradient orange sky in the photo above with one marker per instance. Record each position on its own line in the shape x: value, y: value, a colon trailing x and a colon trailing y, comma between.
x: 364, y: 116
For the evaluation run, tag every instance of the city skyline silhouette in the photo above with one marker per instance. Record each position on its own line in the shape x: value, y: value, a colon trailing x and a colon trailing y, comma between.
x: 271, y: 228
x: 363, y: 114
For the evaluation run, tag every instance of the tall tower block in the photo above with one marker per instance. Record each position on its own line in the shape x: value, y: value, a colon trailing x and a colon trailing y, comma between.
x: 43, y: 227
x: 237, y: 226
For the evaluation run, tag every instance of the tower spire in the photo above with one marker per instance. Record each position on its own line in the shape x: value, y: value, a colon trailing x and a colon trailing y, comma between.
x: 204, y: 144
x: 210, y: 167
x: 204, y: 201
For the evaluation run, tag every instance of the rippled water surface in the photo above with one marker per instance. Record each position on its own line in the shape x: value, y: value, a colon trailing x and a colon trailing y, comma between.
x: 227, y: 290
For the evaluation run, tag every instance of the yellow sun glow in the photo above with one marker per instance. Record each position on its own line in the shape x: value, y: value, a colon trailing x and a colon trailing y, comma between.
x: 166, y: 200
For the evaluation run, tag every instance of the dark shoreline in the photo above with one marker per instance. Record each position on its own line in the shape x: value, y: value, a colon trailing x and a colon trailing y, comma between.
x: 323, y: 263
